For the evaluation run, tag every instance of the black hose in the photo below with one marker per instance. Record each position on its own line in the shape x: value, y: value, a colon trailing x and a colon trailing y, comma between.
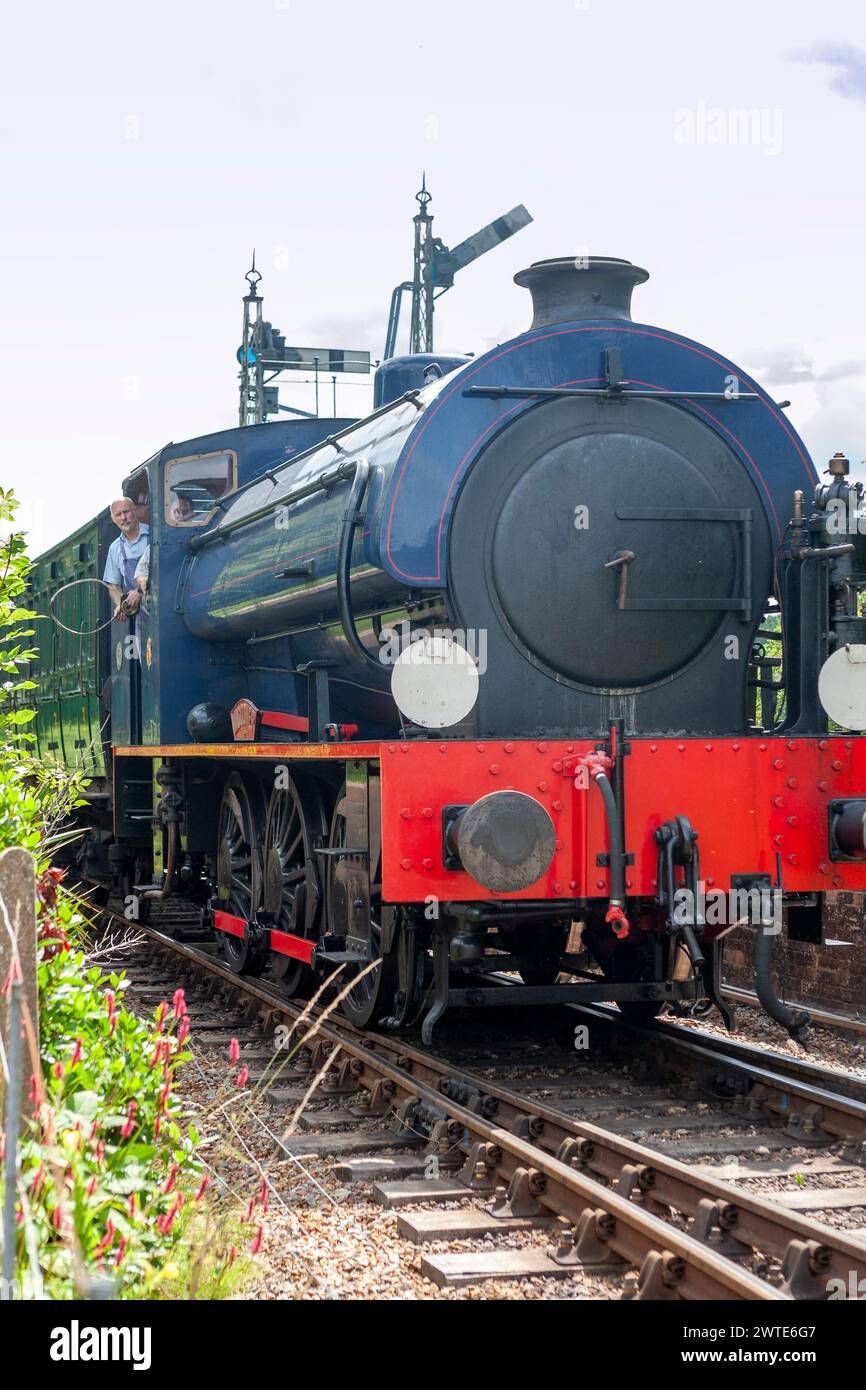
x: 795, y: 1023
x: 351, y: 521
x: 614, y: 840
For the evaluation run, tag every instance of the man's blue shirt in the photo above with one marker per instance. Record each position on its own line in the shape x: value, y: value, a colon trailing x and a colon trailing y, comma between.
x: 123, y: 557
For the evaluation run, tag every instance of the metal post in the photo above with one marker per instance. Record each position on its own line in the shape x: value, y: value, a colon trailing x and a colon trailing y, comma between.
x: 334, y: 383
x: 13, y: 1112
x: 421, y: 338
x: 251, y: 413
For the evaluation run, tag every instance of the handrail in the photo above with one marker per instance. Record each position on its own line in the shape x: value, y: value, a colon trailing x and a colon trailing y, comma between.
x: 351, y: 521
x: 323, y: 482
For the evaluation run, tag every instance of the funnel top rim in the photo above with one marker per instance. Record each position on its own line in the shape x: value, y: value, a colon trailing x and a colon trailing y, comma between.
x: 588, y: 263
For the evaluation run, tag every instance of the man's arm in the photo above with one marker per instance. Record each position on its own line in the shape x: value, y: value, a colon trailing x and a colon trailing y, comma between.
x: 113, y: 577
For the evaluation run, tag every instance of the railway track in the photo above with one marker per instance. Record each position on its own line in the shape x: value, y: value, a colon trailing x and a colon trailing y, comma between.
x: 496, y: 1134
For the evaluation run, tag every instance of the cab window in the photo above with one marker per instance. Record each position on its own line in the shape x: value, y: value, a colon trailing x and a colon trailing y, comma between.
x: 136, y: 488
x: 194, y: 487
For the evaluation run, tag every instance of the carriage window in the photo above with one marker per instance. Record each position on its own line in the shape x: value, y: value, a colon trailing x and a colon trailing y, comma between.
x: 193, y: 487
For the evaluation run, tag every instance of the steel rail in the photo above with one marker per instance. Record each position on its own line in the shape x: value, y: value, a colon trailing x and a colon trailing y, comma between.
x: 825, y: 1018
x: 800, y: 1073
x: 565, y: 1154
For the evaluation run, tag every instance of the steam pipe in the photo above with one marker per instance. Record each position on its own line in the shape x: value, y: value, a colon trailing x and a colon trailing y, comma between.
x: 795, y: 1022
x: 171, y: 859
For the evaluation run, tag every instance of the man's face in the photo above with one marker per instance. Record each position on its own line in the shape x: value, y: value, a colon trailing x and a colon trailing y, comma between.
x: 123, y: 515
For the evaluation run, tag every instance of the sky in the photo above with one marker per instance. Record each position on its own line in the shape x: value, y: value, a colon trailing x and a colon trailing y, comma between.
x: 146, y: 149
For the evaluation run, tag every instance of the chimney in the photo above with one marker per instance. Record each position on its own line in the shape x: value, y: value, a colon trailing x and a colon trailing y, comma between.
x: 592, y: 287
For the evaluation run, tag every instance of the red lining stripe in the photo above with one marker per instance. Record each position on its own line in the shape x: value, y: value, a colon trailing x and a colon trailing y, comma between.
x: 287, y: 944
x: 517, y: 346
x: 235, y: 926
x: 275, y: 719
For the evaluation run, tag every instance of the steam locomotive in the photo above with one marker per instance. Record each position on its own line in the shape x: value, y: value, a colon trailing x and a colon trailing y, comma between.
x: 526, y: 688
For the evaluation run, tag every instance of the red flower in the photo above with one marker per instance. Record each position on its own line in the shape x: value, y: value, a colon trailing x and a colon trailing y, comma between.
x: 263, y: 1195
x: 107, y: 1238
x: 58, y: 1070
x: 202, y: 1188
x: 121, y: 1251
x: 234, y: 1052
x: 243, y: 1076
x: 110, y: 1001
x: 172, y: 1178
x: 178, y: 1004
x: 91, y: 1186
x: 257, y: 1241
x: 183, y: 1031
x: 166, y: 1221
x: 77, y: 1052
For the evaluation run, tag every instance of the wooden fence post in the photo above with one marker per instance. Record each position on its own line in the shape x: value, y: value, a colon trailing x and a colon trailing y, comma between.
x: 18, y: 946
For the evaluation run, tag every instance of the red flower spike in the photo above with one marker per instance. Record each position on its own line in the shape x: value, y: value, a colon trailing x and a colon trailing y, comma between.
x: 57, y: 1069
x: 243, y: 1077
x: 178, y: 1004
x: 183, y: 1031
x: 257, y: 1241
x: 234, y: 1052
x: 203, y: 1186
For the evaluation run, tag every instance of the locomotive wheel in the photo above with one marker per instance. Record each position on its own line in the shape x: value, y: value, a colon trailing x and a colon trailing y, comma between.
x: 239, y: 870
x: 296, y: 826
x: 373, y: 997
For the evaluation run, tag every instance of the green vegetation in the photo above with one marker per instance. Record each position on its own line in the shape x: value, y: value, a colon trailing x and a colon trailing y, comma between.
x: 110, y: 1189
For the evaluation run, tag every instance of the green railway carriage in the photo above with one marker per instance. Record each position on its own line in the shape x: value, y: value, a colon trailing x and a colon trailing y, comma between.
x: 72, y: 667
